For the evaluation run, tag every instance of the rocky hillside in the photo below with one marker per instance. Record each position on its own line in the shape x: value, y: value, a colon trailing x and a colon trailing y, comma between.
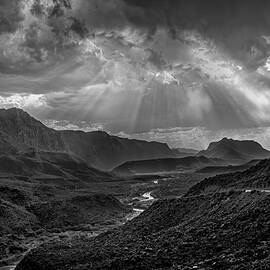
x: 56, y: 214
x: 55, y: 165
x: 19, y: 131
x: 235, y: 151
x: 80, y: 210
x: 216, y: 231
x: 166, y: 165
x: 256, y: 177
x: 31, y: 209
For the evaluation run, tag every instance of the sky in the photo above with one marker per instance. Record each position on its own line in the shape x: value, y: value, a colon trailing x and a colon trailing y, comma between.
x: 176, y: 71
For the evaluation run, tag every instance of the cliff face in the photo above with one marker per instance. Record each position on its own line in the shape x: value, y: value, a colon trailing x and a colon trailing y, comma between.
x: 19, y: 132
x: 19, y: 129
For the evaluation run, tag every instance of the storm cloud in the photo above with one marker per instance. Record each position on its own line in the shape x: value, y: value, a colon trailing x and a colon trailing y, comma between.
x: 134, y: 66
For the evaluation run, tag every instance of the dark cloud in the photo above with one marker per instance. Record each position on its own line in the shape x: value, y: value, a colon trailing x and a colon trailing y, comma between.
x: 10, y: 15
x: 232, y: 24
x: 236, y: 25
x: 135, y: 65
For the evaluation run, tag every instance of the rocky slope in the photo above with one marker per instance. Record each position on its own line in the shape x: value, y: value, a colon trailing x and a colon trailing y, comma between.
x: 216, y: 225
x: 256, y: 177
x: 235, y: 151
x: 58, y: 213
x: 44, y: 164
x: 19, y: 131
x: 216, y: 231
x: 166, y: 165
x: 32, y: 208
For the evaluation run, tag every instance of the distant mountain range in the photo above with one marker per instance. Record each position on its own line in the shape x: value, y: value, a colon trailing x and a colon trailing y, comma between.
x: 224, y: 156
x: 166, y: 165
x: 19, y: 132
x: 235, y: 151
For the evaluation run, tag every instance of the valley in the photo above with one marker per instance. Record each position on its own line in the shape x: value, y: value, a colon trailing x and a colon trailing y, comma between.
x: 66, y: 204
x: 172, y: 217
x: 135, y: 194
x: 134, y: 135
x: 214, y: 231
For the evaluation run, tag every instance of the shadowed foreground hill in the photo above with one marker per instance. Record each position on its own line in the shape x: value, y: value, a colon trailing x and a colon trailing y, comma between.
x: 77, y: 210
x: 19, y: 131
x: 217, y: 231
x: 38, y: 211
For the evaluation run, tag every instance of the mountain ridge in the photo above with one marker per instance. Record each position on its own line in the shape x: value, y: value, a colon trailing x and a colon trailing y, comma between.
x: 166, y: 165
x: 20, y: 131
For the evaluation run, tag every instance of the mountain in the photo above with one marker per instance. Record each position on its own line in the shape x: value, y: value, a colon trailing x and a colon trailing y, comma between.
x: 256, y: 177
x: 105, y: 152
x: 166, y: 165
x: 19, y: 132
x: 217, y: 231
x: 235, y: 151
